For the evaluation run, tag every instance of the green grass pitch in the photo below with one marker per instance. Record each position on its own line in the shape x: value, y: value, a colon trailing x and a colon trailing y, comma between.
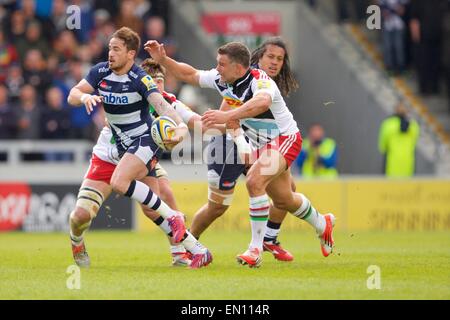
x: 129, y: 265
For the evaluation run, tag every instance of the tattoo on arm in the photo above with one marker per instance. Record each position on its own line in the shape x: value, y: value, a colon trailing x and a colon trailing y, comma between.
x: 163, y: 108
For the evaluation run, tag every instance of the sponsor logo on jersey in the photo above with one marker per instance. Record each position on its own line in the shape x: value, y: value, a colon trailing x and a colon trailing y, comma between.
x: 149, y: 83
x: 103, y: 69
x: 228, y: 184
x: 134, y: 75
x: 232, y: 102
x: 115, y: 99
x: 263, y: 84
x: 104, y: 85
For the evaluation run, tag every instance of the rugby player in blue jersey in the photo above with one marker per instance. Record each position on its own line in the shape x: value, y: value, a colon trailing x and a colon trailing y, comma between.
x: 125, y: 90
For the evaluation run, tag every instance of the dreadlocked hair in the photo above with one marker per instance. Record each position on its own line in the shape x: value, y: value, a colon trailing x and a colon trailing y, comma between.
x: 285, y: 79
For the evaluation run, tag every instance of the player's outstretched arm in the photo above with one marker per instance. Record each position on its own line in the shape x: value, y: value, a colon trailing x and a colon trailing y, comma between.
x: 182, y: 71
x: 81, y: 94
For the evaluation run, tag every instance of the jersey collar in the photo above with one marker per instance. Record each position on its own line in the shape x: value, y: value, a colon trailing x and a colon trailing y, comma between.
x: 241, y: 79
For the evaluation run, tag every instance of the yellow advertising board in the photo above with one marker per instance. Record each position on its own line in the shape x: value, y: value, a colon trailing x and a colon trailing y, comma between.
x: 398, y: 205
x: 358, y: 204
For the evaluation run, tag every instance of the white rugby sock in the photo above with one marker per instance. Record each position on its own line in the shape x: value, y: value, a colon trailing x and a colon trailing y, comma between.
x: 259, y: 214
x: 192, y: 244
x: 76, y: 240
x: 308, y: 213
x: 177, y: 249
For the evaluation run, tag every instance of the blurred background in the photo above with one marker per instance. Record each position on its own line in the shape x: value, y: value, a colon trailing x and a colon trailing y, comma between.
x: 373, y: 100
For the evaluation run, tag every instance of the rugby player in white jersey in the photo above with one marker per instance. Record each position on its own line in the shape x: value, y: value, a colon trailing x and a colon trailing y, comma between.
x: 258, y: 105
x: 273, y: 58
x: 125, y: 91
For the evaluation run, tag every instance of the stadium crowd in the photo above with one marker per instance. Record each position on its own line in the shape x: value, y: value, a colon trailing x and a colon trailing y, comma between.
x: 41, y: 59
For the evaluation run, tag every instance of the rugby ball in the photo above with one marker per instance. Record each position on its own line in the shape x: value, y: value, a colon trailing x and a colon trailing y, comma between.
x: 159, y: 131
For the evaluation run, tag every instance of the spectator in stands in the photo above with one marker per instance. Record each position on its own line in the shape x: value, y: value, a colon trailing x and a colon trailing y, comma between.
x: 35, y: 71
x: 98, y: 51
x: 55, y: 123
x: 28, y: 114
x: 397, y: 143
x: 55, y: 119
x: 427, y: 32
x: 142, y: 8
x: 14, y: 82
x: 83, y: 33
x: 3, y: 17
x: 84, y: 56
x: 318, y: 157
x: 58, y: 17
x: 112, y: 6
x: 8, y: 55
x: 155, y: 29
x: 82, y: 123
x: 66, y: 45
x: 8, y: 122
x: 128, y: 18
x: 38, y: 52
x: 33, y: 40
x: 104, y: 28
x: 28, y: 7
x: 393, y: 34
x: 17, y: 27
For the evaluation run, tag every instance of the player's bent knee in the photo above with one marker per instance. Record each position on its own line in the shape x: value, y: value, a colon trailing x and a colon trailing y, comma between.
x: 255, y: 183
x: 119, y: 185
x: 80, y: 218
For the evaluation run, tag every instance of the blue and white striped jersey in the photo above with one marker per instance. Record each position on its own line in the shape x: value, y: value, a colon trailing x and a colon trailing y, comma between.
x: 124, y: 101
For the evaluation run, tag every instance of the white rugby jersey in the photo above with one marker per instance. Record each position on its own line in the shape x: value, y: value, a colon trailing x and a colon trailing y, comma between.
x: 278, y: 120
x: 124, y: 101
x: 106, y: 148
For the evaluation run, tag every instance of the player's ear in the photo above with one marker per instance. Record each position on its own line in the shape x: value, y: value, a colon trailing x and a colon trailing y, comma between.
x: 132, y: 54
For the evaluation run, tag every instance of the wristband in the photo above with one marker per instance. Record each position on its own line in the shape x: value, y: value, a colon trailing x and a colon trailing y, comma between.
x: 84, y: 97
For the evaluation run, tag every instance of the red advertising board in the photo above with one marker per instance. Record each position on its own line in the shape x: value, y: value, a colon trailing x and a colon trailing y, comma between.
x: 241, y: 23
x: 14, y: 205
x: 46, y: 208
